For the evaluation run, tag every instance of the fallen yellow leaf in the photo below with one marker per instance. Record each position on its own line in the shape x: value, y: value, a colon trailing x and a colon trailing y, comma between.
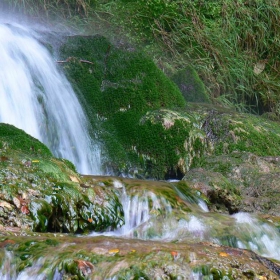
x: 114, y: 251
x: 74, y: 179
x: 35, y: 160
x: 223, y: 254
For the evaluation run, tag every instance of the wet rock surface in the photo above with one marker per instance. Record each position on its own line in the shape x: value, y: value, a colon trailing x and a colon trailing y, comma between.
x: 239, y: 181
x: 42, y: 193
x: 177, y: 238
x: 106, y: 258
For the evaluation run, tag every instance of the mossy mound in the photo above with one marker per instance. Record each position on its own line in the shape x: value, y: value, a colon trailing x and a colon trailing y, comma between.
x: 118, y: 86
x: 113, y: 79
x: 191, y: 85
x: 43, y: 193
x: 140, y: 116
x: 17, y: 139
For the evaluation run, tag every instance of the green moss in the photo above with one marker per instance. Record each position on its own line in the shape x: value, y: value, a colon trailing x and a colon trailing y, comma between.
x: 191, y: 85
x: 159, y: 148
x: 243, y: 132
x: 117, y: 87
x: 17, y: 139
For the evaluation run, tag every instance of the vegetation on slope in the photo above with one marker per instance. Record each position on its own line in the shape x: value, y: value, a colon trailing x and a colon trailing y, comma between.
x: 232, y: 44
x: 117, y: 87
x: 41, y: 193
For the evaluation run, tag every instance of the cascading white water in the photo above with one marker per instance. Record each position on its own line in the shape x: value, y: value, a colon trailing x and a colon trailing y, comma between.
x: 36, y: 97
x: 151, y: 217
x: 8, y: 270
x: 261, y: 237
x: 138, y: 209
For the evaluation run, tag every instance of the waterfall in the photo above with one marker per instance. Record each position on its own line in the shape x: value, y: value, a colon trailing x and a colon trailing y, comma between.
x: 36, y: 97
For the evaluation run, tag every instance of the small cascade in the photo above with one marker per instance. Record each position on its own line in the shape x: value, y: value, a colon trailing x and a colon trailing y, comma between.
x: 258, y: 237
x: 138, y: 209
x: 36, y: 97
x: 149, y: 216
x: 136, y: 212
x: 35, y: 272
x: 203, y: 206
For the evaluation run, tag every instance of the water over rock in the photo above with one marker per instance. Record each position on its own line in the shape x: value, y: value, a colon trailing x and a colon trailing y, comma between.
x: 36, y: 97
x: 44, y: 193
x: 176, y: 237
x: 141, y: 229
x: 112, y: 258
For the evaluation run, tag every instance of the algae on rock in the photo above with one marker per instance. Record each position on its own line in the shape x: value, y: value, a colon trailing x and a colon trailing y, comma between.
x: 118, y: 86
x: 43, y: 193
x: 191, y: 85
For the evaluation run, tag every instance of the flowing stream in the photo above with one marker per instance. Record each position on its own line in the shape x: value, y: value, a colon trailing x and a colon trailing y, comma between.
x: 149, y: 216
x: 36, y: 97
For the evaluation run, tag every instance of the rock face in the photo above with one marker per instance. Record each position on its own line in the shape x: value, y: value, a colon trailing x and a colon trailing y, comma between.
x: 42, y: 193
x: 42, y: 197
x: 142, y: 118
x: 109, y: 258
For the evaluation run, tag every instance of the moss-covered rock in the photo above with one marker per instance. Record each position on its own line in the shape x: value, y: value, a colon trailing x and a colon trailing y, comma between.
x: 238, y: 170
x: 43, y: 193
x: 191, y: 85
x: 104, y: 257
x: 140, y: 116
x: 176, y: 141
x: 118, y: 86
x: 249, y: 182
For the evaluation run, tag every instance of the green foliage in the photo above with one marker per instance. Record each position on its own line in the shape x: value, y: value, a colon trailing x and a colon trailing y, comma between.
x: 233, y: 45
x: 17, y: 139
x: 190, y: 85
x: 224, y: 40
x: 117, y: 87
